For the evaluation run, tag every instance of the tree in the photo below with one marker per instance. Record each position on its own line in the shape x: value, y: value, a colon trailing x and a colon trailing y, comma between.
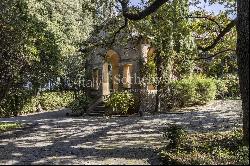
x: 170, y: 33
x: 242, y: 44
x: 220, y: 60
x: 38, y: 39
x: 71, y: 23
x: 28, y: 51
x: 243, y: 61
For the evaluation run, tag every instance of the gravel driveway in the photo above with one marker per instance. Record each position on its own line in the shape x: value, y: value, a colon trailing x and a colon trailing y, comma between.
x: 53, y: 138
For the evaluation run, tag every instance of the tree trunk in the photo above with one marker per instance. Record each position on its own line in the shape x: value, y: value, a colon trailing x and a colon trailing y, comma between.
x: 159, y: 72
x: 243, y: 61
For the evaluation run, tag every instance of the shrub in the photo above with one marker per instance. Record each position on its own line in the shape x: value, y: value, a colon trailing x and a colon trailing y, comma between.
x: 190, y: 91
x: 54, y: 100
x: 121, y: 103
x: 228, y: 87
x: 80, y: 104
x: 222, y: 89
x: 24, y: 102
x: 213, y: 148
x: 175, y: 135
x: 205, y: 90
x: 14, y: 101
x: 232, y: 83
x: 30, y: 106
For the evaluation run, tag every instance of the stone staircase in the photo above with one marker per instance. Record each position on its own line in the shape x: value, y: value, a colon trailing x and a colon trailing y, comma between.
x: 98, y: 109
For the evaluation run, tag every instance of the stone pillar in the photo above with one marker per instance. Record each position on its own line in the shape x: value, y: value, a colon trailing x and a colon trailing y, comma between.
x: 105, y: 79
x: 115, y: 76
x: 121, y: 77
x: 144, y: 52
x: 127, y: 72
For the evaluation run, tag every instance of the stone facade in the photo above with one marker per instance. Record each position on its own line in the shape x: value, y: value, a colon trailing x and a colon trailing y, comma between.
x: 118, y: 68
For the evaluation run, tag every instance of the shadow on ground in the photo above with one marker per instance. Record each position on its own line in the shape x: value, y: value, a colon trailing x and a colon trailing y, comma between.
x: 53, y: 138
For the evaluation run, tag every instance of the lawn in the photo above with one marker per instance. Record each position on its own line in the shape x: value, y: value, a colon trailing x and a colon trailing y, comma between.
x: 4, y: 126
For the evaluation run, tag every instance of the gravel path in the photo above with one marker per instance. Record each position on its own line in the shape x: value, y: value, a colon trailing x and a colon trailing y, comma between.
x: 53, y: 138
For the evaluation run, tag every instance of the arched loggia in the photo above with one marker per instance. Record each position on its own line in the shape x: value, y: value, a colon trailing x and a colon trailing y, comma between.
x: 111, y: 72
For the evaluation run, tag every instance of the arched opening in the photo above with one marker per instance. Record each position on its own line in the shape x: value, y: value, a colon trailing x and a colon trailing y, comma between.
x: 111, y: 72
x: 150, y: 57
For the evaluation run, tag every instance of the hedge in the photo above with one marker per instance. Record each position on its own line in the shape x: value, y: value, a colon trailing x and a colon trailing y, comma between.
x: 195, y: 90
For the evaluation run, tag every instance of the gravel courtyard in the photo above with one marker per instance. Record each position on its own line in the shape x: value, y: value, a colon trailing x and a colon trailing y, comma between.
x: 53, y: 138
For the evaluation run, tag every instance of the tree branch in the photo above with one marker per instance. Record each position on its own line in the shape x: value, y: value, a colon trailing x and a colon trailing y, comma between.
x: 214, y: 55
x: 157, y: 4
x: 219, y: 37
x: 118, y: 31
x: 106, y: 43
x: 153, y: 8
x: 210, y: 18
x: 142, y: 14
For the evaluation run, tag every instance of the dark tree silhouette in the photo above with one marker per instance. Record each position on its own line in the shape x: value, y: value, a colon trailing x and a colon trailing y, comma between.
x: 243, y: 61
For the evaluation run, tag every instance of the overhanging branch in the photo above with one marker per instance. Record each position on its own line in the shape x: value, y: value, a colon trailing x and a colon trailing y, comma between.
x: 142, y: 14
x: 214, y: 55
x: 219, y: 37
x: 210, y: 18
x: 118, y: 31
x: 153, y: 8
x: 108, y: 42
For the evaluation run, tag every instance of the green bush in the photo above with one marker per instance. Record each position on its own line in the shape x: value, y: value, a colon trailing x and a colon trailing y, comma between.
x: 121, y: 103
x: 228, y: 87
x: 190, y: 91
x: 222, y: 89
x: 205, y: 90
x: 80, y: 104
x: 175, y: 135
x: 48, y: 101
x: 24, y: 102
x: 30, y: 106
x: 54, y: 100
x: 233, y: 85
x: 14, y: 101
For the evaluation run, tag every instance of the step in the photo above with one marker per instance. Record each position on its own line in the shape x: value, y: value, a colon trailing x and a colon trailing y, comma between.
x: 101, y: 102
x: 101, y: 113
x: 100, y: 105
x: 95, y: 114
x: 99, y: 109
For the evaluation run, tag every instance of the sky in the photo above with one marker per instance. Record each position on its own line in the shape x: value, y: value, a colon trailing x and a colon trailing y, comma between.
x: 210, y: 8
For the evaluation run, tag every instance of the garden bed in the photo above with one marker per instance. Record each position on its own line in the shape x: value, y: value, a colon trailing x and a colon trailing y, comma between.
x: 214, y: 148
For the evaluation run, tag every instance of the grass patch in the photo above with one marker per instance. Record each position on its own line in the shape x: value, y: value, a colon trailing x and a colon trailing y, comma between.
x: 9, y: 126
x: 216, y: 148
